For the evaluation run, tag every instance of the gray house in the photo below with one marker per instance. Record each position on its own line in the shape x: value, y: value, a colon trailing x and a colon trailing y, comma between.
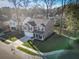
x: 13, y: 24
x: 38, y: 28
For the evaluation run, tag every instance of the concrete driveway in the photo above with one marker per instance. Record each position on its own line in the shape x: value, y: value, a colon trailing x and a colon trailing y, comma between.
x: 25, y: 38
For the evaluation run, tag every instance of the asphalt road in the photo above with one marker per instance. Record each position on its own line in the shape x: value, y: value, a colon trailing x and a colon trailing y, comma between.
x: 7, y: 53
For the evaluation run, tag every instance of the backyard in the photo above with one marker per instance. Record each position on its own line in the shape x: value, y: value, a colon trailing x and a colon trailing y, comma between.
x: 55, y: 42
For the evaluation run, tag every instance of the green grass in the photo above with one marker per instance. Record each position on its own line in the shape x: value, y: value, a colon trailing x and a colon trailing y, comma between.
x: 26, y: 51
x: 12, y: 39
x: 56, y: 42
x: 27, y: 44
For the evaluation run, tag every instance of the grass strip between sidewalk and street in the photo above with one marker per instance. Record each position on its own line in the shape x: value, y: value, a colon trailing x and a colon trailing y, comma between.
x: 26, y: 51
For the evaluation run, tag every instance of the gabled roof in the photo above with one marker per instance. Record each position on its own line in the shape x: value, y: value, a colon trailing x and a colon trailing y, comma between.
x: 43, y: 24
x: 36, y: 22
x: 32, y: 23
x: 41, y: 21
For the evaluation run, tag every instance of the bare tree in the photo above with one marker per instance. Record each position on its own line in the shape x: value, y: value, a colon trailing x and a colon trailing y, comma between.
x: 15, y: 3
x: 49, y: 4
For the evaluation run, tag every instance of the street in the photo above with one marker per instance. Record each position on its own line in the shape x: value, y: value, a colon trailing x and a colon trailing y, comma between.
x: 7, y: 53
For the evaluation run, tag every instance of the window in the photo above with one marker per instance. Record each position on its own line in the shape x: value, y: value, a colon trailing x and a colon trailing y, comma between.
x: 40, y: 36
x: 34, y: 35
x: 13, y: 28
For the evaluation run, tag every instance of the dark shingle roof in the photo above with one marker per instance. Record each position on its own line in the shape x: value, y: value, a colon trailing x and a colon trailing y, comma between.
x: 43, y: 24
x: 32, y: 23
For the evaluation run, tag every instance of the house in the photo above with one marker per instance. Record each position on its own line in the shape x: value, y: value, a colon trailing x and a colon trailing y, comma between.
x: 38, y: 28
x: 27, y: 27
x: 13, y: 24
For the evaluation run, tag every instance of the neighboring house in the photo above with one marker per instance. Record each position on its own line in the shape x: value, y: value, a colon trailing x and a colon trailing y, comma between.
x: 13, y: 24
x: 27, y: 27
x: 38, y: 28
x: 16, y: 24
x: 34, y: 27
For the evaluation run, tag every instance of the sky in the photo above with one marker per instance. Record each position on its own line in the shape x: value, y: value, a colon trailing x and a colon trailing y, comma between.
x: 5, y: 3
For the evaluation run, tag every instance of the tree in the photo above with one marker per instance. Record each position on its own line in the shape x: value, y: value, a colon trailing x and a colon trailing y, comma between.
x: 48, y: 5
x: 25, y: 5
x: 72, y: 18
x: 6, y: 12
x: 63, y: 3
x: 16, y: 4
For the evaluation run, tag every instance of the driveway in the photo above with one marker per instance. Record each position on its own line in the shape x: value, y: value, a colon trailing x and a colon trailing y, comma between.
x: 25, y: 38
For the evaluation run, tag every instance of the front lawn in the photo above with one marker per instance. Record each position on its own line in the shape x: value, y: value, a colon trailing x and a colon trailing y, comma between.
x: 12, y: 39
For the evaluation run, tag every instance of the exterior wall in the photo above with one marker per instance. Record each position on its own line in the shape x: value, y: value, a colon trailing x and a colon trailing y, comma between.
x: 38, y: 36
x: 28, y: 30
x: 49, y: 28
x: 12, y: 24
